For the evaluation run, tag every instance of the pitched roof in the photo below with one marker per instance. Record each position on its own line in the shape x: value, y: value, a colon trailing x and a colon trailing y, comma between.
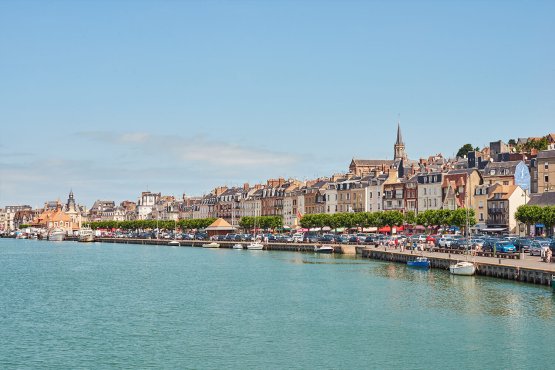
x: 542, y: 199
x: 505, y: 190
x: 372, y: 162
x: 220, y: 224
x: 545, y: 154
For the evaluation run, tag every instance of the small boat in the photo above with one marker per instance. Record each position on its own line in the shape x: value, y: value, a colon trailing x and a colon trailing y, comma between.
x: 238, y: 246
x: 323, y: 249
x: 255, y: 246
x: 211, y: 245
x: 553, y: 283
x: 86, y: 234
x: 419, y: 262
x: 463, y: 268
x: 174, y: 243
x: 56, y: 235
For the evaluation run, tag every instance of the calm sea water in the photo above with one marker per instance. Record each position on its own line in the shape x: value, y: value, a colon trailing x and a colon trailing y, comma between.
x: 72, y: 305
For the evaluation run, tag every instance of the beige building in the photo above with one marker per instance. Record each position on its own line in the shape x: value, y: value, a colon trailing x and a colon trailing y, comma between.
x: 545, y: 162
x: 503, y: 201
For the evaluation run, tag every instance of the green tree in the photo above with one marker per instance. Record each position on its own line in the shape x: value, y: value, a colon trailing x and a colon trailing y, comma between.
x: 538, y: 144
x: 410, y: 218
x: 463, y: 150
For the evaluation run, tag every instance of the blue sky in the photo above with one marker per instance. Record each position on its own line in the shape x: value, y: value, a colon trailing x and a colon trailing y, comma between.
x: 109, y: 98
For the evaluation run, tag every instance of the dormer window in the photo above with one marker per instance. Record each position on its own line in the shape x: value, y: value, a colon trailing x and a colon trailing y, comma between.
x: 492, y: 172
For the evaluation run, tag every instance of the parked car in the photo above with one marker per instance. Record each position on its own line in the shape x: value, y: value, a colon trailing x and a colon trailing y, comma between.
x: 477, y: 242
x: 461, y: 243
x: 445, y: 241
x: 523, y: 244
x: 432, y: 238
x: 535, y: 248
x: 311, y: 238
x: 505, y: 246
x: 298, y: 237
x: 342, y: 239
x: 371, y: 239
x: 420, y: 238
x: 327, y: 238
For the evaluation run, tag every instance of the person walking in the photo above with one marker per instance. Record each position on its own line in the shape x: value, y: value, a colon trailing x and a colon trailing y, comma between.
x: 548, y: 254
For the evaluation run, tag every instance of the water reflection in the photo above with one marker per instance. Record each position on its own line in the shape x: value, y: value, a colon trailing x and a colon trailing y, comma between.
x: 469, y: 295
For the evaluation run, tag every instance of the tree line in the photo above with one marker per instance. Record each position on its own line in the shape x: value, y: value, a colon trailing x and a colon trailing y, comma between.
x: 441, y: 217
x: 530, y: 215
x: 189, y: 224
x: 261, y: 222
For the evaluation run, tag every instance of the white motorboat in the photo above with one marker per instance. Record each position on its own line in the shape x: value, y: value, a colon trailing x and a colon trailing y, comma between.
x: 463, y: 268
x: 255, y: 246
x: 86, y: 234
x: 56, y: 235
x: 211, y: 245
x: 174, y: 243
x: 323, y: 249
x: 238, y: 246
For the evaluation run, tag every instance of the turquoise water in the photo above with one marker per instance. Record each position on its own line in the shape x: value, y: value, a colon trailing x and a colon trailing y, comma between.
x: 70, y: 305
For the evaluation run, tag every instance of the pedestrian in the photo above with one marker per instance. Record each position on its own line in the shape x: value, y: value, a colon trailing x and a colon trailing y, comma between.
x: 548, y: 255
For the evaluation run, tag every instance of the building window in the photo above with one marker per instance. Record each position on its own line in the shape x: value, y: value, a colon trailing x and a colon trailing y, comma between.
x: 546, y: 165
x: 546, y: 178
x: 505, y: 183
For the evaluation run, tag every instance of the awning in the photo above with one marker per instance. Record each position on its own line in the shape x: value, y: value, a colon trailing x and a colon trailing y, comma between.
x: 387, y: 229
x: 494, y: 229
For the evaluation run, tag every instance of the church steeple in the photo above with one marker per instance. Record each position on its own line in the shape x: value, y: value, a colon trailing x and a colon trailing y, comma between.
x: 399, y: 136
x: 399, y: 147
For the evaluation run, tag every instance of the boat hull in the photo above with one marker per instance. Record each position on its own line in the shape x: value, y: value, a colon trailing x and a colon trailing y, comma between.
x: 463, y: 268
x: 56, y: 237
x: 255, y: 247
x: 419, y: 264
x: 324, y: 250
x: 211, y: 245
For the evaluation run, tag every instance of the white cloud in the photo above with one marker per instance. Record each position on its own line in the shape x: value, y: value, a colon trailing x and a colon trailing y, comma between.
x: 198, y: 150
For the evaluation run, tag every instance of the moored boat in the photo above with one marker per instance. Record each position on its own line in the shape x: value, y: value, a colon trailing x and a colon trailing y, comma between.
x: 238, y: 246
x: 419, y: 262
x: 86, y: 234
x: 56, y: 235
x: 174, y: 243
x: 323, y: 249
x: 257, y: 246
x: 463, y: 268
x: 211, y: 245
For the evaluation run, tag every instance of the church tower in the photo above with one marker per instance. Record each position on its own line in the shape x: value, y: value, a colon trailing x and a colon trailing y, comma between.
x: 399, y: 147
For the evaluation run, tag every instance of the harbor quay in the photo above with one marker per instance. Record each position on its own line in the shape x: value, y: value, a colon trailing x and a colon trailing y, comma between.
x: 528, y: 270
x: 505, y: 266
